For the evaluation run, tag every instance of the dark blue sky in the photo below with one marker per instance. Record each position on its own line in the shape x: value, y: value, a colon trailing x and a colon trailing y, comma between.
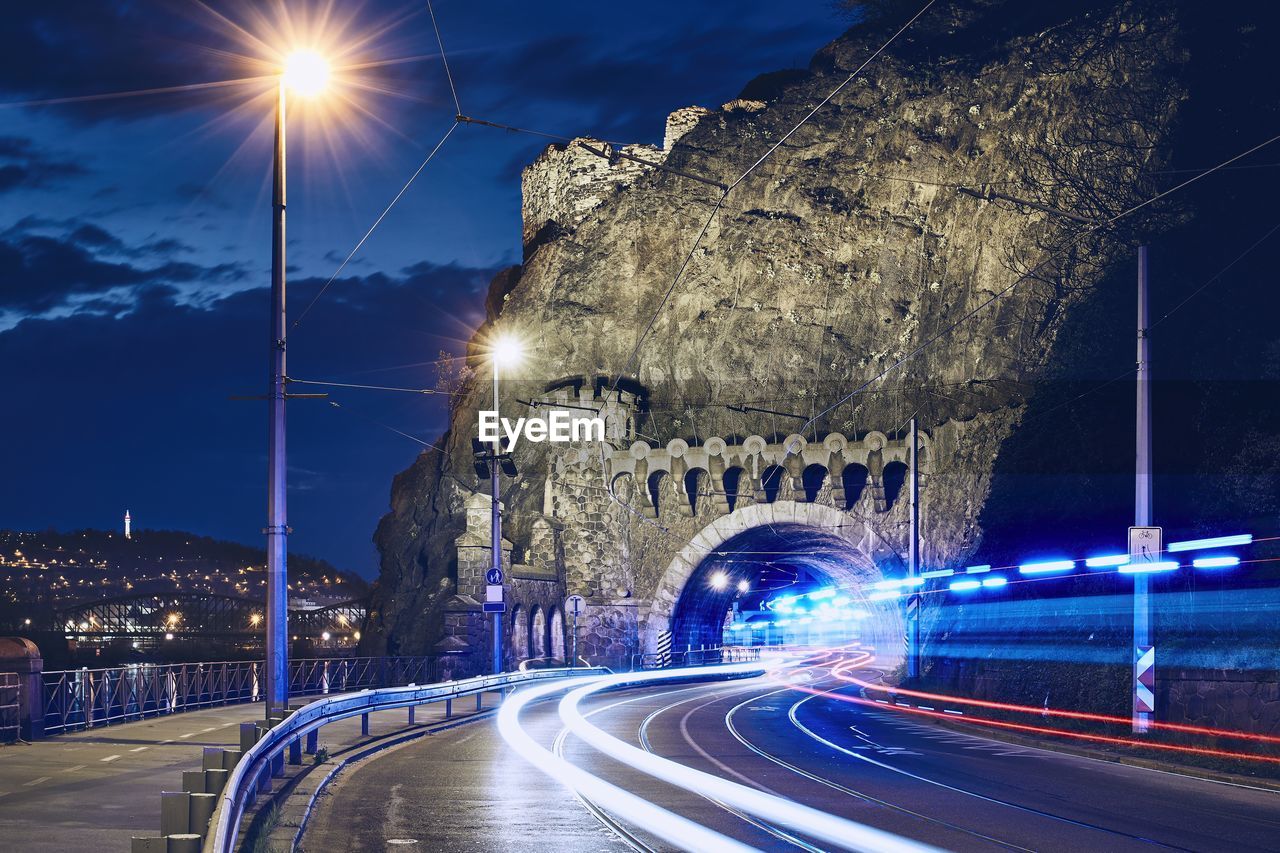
x: 135, y: 233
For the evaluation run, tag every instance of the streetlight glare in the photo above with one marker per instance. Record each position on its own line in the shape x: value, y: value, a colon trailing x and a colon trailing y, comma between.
x: 507, y: 351
x: 306, y: 73
x: 719, y: 580
x: 744, y: 585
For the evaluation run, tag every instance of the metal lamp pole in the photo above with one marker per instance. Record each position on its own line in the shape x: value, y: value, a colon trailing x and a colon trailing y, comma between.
x: 496, y: 510
x: 1142, y: 505
x: 277, y: 674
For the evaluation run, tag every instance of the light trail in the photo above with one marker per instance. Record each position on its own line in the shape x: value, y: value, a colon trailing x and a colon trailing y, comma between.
x: 834, y: 830
x: 841, y: 671
x: 672, y: 828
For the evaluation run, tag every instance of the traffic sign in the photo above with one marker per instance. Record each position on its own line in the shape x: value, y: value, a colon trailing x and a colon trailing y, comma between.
x: 495, y: 607
x: 574, y: 604
x: 494, y: 576
x: 1145, y: 544
x: 493, y: 592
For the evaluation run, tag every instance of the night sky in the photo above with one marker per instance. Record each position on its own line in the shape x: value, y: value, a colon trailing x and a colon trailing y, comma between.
x: 135, y: 231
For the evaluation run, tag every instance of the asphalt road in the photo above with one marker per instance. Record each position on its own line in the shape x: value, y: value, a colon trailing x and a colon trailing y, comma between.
x: 464, y: 789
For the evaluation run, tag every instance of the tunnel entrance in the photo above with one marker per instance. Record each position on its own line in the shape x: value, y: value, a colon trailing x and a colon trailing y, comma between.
x: 726, y: 587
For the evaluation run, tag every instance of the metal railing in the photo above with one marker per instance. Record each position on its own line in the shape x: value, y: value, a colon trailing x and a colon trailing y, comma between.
x: 696, y: 657
x: 84, y: 698
x: 255, y: 768
x: 10, y: 709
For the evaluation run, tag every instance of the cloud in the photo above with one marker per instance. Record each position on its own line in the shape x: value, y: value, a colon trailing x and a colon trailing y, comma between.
x: 42, y: 272
x: 23, y: 165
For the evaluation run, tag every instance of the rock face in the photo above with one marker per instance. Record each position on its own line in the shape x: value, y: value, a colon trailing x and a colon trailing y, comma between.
x: 919, y: 240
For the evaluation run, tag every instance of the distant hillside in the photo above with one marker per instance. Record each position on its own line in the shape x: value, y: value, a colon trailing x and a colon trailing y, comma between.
x: 52, y: 570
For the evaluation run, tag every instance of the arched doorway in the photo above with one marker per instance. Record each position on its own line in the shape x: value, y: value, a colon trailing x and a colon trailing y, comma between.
x: 519, y: 634
x: 537, y: 633
x: 557, y: 634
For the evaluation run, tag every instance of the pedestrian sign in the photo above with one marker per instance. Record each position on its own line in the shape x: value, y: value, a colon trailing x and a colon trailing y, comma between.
x: 494, y: 576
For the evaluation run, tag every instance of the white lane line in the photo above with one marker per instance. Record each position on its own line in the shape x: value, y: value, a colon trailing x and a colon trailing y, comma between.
x: 36, y: 781
x: 140, y: 749
x: 883, y: 701
x: 210, y: 729
x: 109, y: 758
x: 163, y: 742
x: 226, y: 725
x: 924, y: 708
x: 949, y: 711
x: 74, y: 769
x: 188, y: 734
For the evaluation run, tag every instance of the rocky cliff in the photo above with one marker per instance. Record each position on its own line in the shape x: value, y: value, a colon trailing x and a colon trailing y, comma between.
x: 967, y: 164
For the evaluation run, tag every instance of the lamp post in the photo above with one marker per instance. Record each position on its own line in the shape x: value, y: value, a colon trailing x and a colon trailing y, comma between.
x: 507, y: 352
x: 305, y: 73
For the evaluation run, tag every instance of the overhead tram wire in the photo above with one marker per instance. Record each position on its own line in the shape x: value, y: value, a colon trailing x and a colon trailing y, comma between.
x: 375, y: 224
x: 291, y: 380
x: 635, y: 352
x: 1028, y: 276
x: 401, y: 433
x: 444, y: 58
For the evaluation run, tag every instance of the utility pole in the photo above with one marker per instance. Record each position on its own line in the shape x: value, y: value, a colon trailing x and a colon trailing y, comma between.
x: 495, y: 570
x: 913, y: 556
x: 1143, y: 709
x: 277, y: 629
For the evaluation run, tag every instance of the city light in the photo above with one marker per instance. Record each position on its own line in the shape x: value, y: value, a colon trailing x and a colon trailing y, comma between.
x: 1107, y: 562
x: 325, y: 636
x: 1047, y: 567
x: 306, y: 72
x: 719, y: 580
x: 744, y: 585
x: 1216, y: 562
x: 1216, y: 542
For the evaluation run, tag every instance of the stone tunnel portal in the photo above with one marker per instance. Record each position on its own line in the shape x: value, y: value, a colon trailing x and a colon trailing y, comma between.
x: 739, y: 582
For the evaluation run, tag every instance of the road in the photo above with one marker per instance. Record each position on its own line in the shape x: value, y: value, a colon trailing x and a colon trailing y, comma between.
x: 466, y: 789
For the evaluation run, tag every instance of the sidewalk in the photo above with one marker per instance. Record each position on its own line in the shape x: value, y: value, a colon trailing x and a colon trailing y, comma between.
x: 96, y: 789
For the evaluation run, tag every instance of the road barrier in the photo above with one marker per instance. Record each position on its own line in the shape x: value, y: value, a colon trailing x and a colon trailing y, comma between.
x: 208, y: 812
x: 696, y: 657
x: 85, y: 698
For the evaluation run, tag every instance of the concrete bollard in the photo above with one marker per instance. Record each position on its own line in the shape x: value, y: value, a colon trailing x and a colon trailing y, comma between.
x: 248, y: 736
x: 364, y: 724
x: 175, y: 812
x: 159, y: 844
x: 212, y: 758
x: 313, y: 741
x: 412, y: 708
x: 215, y: 779
x: 202, y: 806
x: 230, y: 758
x: 184, y: 843
x: 479, y: 700
x: 448, y: 709
x: 192, y: 782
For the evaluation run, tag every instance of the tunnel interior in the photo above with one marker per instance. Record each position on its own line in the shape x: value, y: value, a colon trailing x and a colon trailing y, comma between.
x: 738, y: 592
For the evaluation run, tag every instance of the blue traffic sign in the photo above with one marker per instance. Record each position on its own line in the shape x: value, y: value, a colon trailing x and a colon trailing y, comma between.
x: 493, y: 576
x: 495, y: 607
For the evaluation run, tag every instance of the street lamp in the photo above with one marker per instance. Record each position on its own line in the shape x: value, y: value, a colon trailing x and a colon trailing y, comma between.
x: 305, y: 73
x: 505, y: 351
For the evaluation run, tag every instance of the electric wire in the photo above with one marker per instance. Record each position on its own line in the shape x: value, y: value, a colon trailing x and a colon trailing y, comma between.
x: 444, y: 58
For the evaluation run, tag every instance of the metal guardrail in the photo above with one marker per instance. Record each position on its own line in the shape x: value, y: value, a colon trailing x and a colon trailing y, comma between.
x: 85, y: 698
x: 696, y: 657
x: 255, y: 768
x: 10, y: 709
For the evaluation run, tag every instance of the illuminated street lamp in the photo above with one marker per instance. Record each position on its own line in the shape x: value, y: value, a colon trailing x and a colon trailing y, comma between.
x: 504, y: 351
x: 744, y: 585
x: 719, y: 580
x: 305, y: 73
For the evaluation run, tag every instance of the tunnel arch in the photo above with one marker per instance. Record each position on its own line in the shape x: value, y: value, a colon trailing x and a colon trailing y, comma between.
x: 556, y: 651
x: 826, y: 543
x: 537, y: 633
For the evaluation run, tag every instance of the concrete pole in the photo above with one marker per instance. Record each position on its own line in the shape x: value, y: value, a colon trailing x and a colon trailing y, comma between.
x: 277, y: 629
x: 913, y: 555
x: 496, y: 509
x: 1143, y: 488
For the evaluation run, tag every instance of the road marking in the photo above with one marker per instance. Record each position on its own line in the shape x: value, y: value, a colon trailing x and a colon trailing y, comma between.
x: 74, y: 769
x: 949, y: 711
x: 226, y: 725
x: 139, y: 748
x: 210, y: 729
x: 109, y: 758
x: 163, y: 742
x: 883, y: 701
x: 188, y: 734
x: 36, y: 781
x: 925, y: 708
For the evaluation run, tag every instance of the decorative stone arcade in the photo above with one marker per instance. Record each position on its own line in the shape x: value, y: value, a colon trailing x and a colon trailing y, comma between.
x: 627, y: 525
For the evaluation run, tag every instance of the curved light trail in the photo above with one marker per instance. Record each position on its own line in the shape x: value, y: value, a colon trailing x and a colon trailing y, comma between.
x: 831, y: 829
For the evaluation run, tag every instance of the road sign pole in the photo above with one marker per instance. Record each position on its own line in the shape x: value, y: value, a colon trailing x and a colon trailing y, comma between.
x: 574, y: 605
x: 1143, y: 653
x: 913, y: 556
